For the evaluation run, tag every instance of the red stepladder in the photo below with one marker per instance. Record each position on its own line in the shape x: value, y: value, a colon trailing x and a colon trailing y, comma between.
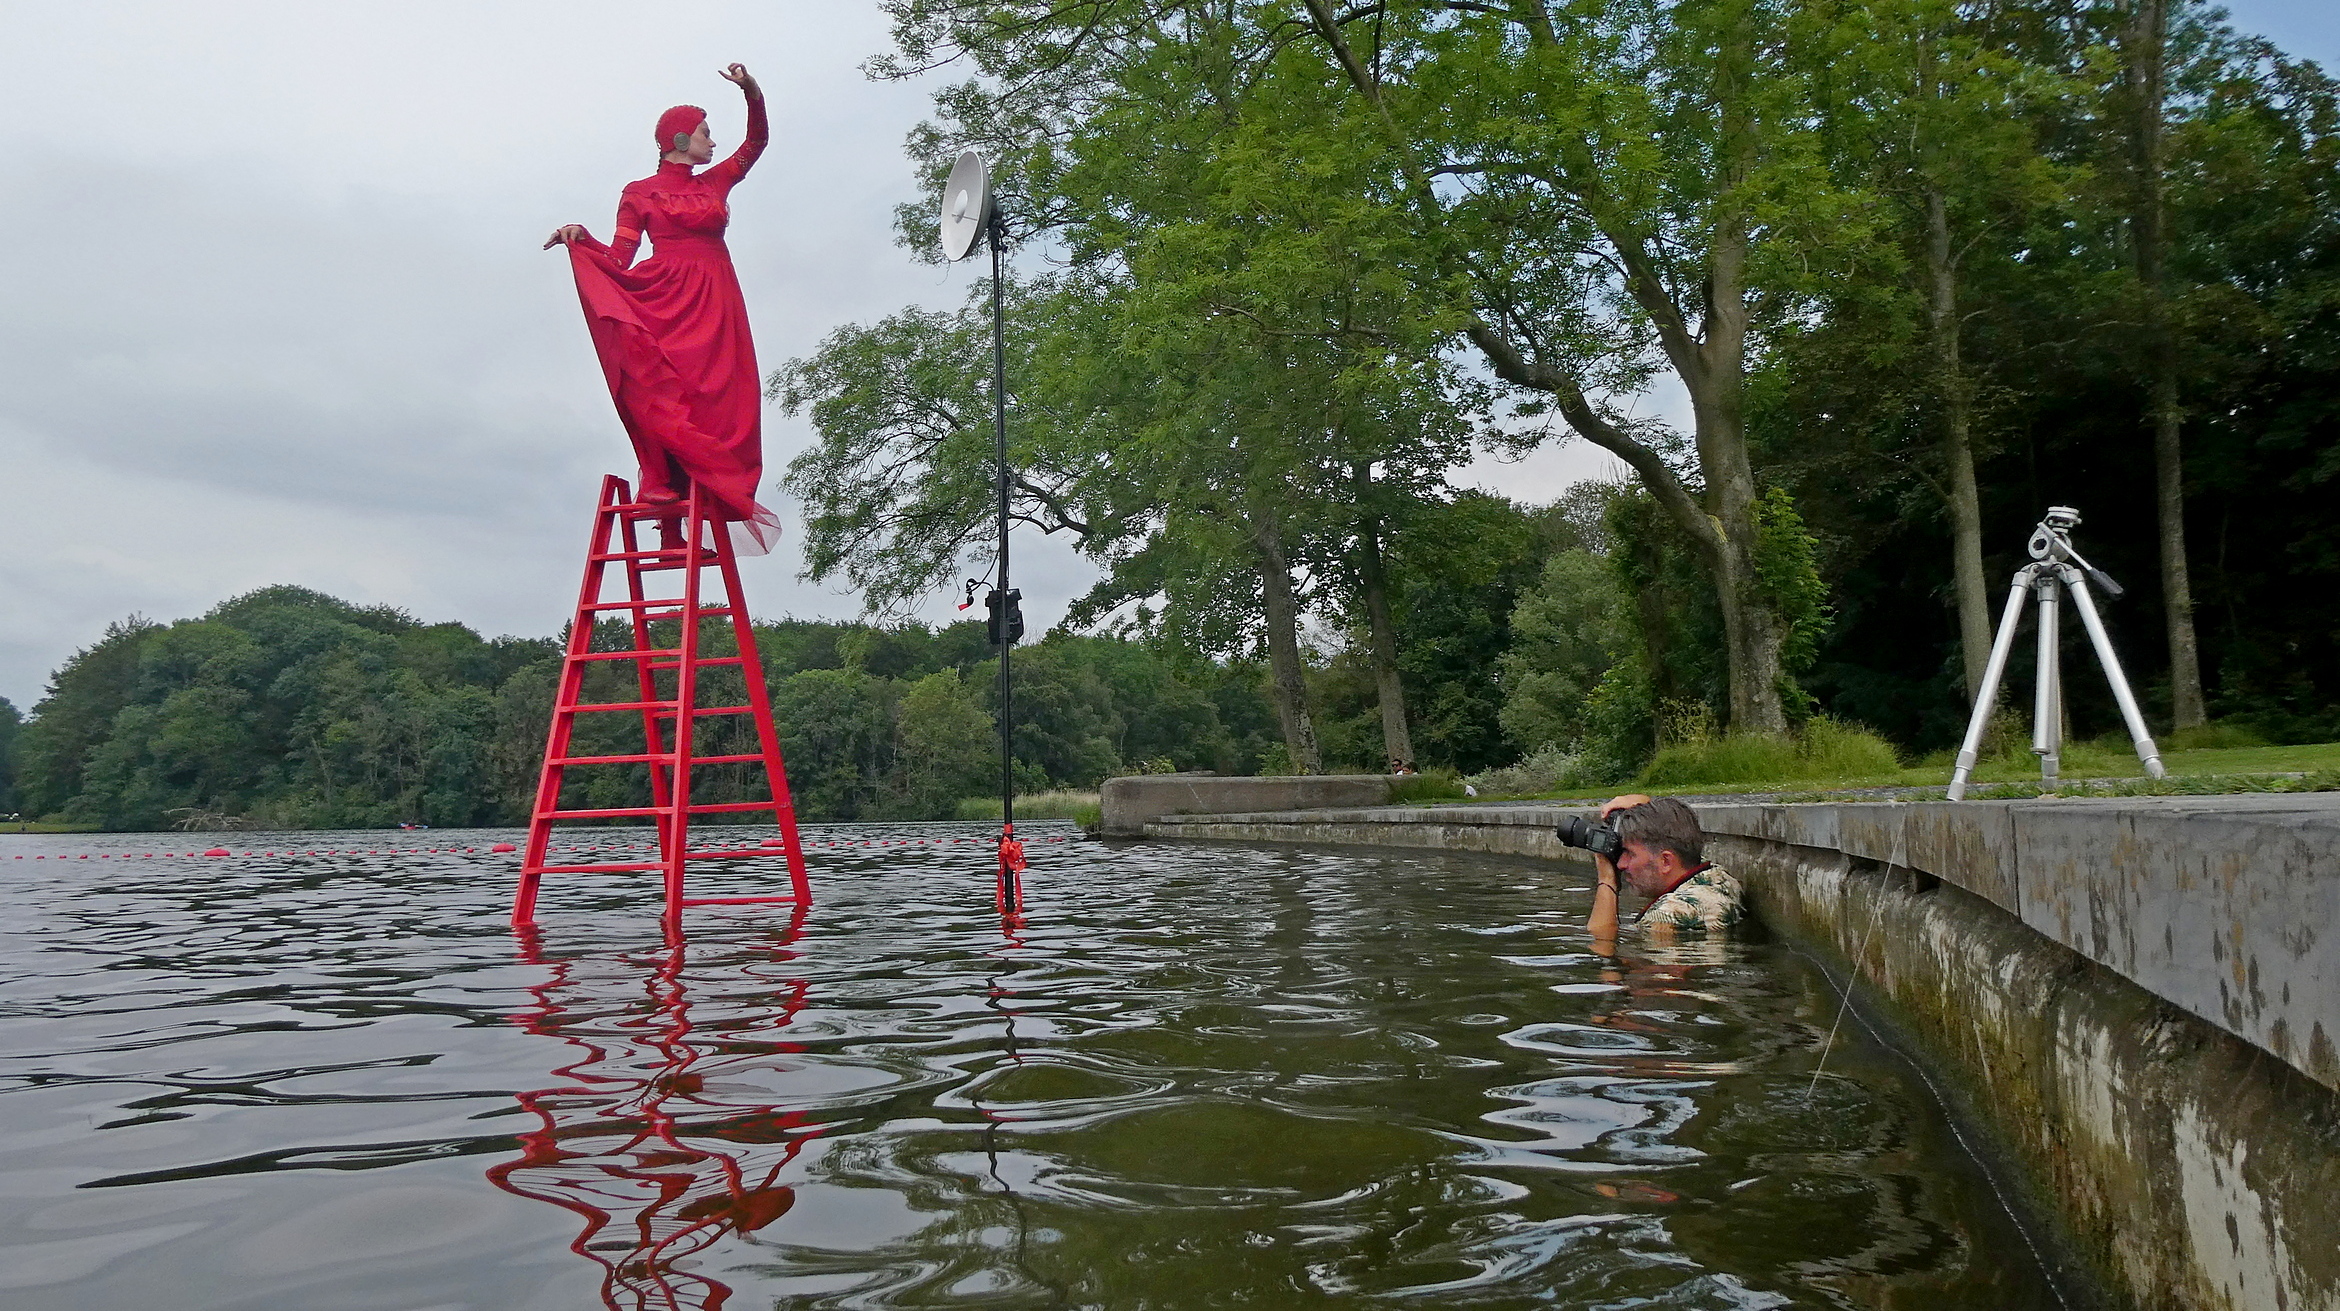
x: 666, y: 693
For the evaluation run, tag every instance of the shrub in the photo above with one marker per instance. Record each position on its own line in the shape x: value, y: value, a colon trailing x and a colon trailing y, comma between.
x: 1549, y: 769
x: 2225, y: 734
x: 1433, y: 785
x: 1824, y: 749
x: 1035, y: 805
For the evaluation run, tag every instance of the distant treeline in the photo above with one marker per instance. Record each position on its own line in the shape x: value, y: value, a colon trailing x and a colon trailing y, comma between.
x: 292, y: 709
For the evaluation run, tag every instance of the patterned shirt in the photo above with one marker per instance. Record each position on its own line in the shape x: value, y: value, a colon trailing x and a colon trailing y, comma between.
x: 1710, y: 901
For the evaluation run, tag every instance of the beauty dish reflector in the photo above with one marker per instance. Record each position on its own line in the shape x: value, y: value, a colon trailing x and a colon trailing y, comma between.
x: 966, y: 205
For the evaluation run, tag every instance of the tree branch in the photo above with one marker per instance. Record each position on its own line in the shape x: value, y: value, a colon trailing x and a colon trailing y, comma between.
x: 1589, y: 423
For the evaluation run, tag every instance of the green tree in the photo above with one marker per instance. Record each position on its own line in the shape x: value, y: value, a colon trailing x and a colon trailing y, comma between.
x: 77, y: 714
x: 1940, y: 114
x: 946, y: 745
x: 1582, y: 200
x: 1566, y: 635
x: 11, y: 733
x: 837, y: 735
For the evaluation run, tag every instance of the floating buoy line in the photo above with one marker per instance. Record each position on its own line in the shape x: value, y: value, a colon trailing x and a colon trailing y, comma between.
x: 500, y: 848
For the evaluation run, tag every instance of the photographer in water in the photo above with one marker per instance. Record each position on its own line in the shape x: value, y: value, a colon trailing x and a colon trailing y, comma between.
x: 1656, y: 847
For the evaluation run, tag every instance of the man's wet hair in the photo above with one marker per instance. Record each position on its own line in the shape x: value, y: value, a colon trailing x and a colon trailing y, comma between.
x: 1663, y: 824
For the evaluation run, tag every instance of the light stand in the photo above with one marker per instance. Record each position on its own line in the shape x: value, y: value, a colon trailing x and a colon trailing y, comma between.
x: 969, y: 211
x: 2053, y: 561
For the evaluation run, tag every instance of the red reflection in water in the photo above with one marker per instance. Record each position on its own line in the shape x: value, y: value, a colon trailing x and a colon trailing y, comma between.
x: 658, y: 1139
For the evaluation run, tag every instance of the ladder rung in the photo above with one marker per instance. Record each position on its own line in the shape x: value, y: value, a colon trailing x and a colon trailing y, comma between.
x: 703, y: 661
x: 624, y: 655
x: 663, y: 707
x: 666, y: 758
x: 629, y: 812
x: 630, y: 867
x: 711, y: 612
x: 605, y: 556
x: 655, y: 707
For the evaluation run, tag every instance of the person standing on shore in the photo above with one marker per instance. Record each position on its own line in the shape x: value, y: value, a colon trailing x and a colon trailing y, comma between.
x: 672, y: 331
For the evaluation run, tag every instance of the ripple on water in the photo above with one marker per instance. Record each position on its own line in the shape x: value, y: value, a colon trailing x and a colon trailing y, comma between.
x: 1197, y: 1076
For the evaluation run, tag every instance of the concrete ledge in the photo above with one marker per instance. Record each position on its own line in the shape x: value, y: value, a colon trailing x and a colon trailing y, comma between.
x: 2227, y: 907
x: 1130, y: 803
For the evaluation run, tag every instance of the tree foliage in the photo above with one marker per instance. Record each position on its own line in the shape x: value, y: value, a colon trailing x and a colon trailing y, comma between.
x: 292, y: 709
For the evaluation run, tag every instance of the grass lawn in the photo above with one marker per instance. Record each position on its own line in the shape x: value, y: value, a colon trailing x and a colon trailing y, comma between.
x: 2081, y: 760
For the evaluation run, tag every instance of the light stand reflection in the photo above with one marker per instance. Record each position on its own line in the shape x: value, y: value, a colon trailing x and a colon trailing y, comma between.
x: 659, y: 1137
x: 997, y: 994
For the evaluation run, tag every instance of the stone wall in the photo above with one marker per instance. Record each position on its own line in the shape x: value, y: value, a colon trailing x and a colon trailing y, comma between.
x: 2227, y: 907
x: 1132, y: 803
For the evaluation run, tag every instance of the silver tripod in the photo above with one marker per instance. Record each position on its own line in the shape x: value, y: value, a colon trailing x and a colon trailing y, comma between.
x: 2053, y: 561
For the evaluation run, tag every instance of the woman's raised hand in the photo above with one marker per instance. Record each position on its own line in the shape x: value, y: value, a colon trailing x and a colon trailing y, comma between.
x: 564, y: 235
x: 738, y: 75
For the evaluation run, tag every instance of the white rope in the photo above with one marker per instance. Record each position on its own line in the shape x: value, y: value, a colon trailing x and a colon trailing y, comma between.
x: 1876, y: 912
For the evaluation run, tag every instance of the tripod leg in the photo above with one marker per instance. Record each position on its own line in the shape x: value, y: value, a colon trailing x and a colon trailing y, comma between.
x: 1986, y: 697
x: 2047, y: 709
x: 2130, y: 716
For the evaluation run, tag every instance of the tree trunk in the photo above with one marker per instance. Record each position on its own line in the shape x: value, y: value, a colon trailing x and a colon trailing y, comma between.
x: 1714, y: 369
x: 2185, y: 661
x: 2147, y: 42
x: 1717, y: 383
x: 1287, y: 674
x: 1397, y: 740
x: 1956, y: 399
x: 1751, y: 629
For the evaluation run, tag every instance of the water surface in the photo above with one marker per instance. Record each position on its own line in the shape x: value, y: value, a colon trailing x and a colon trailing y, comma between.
x: 1198, y: 1076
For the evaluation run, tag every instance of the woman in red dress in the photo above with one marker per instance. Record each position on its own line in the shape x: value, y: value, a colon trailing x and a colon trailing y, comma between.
x: 672, y: 331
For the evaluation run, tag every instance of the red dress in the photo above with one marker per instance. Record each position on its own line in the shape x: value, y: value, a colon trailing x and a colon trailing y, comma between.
x: 672, y: 333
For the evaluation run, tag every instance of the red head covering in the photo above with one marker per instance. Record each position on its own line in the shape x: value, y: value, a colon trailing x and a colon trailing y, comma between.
x: 680, y: 121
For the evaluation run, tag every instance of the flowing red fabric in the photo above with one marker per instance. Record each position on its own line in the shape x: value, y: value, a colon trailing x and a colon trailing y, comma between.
x: 672, y: 333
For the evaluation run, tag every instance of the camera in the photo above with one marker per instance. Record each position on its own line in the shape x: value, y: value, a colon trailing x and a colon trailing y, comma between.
x: 1590, y: 835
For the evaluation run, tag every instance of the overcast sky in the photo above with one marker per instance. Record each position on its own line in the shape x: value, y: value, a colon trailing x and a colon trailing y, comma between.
x: 274, y: 310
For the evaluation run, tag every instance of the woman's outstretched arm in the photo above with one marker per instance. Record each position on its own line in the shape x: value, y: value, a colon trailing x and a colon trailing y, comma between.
x: 759, y: 128
x: 626, y: 241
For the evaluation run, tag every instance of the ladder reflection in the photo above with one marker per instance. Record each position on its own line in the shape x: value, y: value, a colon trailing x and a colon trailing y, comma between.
x: 662, y: 1135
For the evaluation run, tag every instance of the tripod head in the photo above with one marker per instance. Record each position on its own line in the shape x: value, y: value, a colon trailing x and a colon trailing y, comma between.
x: 2052, y: 541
